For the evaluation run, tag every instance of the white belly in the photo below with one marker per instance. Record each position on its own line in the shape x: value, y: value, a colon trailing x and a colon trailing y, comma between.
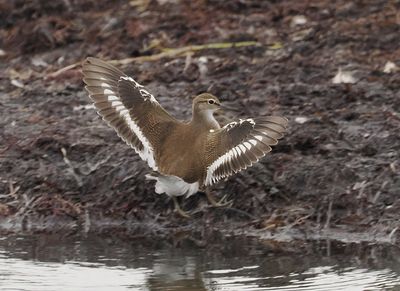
x: 173, y: 185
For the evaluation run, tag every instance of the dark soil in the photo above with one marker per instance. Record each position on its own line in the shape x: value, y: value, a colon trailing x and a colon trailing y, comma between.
x: 336, y: 169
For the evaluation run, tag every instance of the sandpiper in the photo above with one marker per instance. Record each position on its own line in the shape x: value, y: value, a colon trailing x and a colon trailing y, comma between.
x: 185, y: 156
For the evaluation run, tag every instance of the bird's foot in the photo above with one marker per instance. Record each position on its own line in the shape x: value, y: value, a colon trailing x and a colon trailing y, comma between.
x: 178, y: 208
x: 221, y: 203
x: 182, y: 213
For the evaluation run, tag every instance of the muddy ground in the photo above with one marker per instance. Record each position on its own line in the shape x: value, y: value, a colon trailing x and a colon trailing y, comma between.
x: 336, y: 171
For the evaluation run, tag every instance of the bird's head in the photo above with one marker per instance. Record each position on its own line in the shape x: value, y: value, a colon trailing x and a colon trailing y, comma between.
x: 206, y: 102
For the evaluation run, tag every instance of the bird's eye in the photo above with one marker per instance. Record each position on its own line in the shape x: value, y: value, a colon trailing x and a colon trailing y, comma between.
x: 211, y: 101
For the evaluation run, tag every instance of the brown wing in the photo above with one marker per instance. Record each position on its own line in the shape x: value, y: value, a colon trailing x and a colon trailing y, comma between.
x: 127, y: 107
x: 239, y: 144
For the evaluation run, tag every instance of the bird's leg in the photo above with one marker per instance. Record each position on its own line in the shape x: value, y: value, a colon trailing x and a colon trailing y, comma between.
x: 178, y: 208
x: 220, y: 203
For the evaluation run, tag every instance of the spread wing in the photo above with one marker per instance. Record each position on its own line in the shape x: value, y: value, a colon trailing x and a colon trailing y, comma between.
x: 239, y: 144
x: 127, y: 107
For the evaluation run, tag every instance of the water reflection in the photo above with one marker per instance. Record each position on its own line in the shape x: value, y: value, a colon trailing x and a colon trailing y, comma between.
x: 56, y: 263
x: 17, y: 274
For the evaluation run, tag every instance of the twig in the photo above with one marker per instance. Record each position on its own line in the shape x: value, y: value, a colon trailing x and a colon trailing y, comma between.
x: 87, y: 223
x: 62, y: 70
x: 391, y: 234
x: 379, y: 192
x: 329, y: 213
x: 188, y: 62
x: 169, y: 53
x: 13, y: 191
x: 301, y: 219
x: 94, y: 167
x: 71, y: 169
x: 29, y: 203
x: 328, y: 248
x: 177, y: 52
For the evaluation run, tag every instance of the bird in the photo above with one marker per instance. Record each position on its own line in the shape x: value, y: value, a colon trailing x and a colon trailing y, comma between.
x: 185, y: 157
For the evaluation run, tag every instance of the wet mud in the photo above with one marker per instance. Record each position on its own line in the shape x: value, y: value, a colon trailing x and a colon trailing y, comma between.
x: 330, y: 67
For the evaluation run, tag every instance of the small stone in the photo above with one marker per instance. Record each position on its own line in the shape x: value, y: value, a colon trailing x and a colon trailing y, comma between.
x: 329, y: 147
x: 39, y: 62
x: 343, y: 77
x: 83, y: 107
x: 390, y: 67
x: 274, y: 190
x: 298, y: 20
x: 301, y: 119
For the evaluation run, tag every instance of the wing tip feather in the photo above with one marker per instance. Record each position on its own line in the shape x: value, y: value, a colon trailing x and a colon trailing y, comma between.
x: 263, y: 137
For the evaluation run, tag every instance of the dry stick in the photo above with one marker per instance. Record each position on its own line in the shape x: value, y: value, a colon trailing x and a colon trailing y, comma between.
x: 170, y: 53
x: 329, y: 214
x: 62, y: 70
x: 176, y: 52
x: 391, y: 235
x: 13, y: 191
x: 87, y: 223
x: 94, y: 167
x: 71, y: 168
x: 29, y: 203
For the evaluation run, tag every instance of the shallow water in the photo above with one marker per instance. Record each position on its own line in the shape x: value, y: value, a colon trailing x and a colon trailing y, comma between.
x: 93, y: 263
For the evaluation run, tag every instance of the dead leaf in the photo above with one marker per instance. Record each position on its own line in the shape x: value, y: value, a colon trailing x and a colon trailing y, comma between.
x: 17, y: 83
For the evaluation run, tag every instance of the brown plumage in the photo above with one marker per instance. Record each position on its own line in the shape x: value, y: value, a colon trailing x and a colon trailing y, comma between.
x: 187, y: 156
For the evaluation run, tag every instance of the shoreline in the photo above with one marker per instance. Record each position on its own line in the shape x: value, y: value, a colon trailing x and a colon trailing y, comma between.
x: 146, y: 230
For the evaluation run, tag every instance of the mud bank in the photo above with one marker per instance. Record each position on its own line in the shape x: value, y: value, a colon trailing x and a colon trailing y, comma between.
x: 331, y: 68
